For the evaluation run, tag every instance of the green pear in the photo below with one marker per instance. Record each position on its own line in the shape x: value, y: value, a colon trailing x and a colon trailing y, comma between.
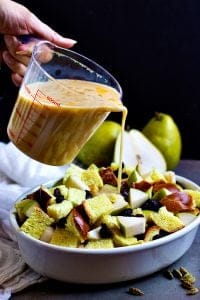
x: 164, y: 133
x: 99, y: 148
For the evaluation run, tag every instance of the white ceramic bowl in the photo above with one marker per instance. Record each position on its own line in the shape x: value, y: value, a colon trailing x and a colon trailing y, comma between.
x: 93, y: 266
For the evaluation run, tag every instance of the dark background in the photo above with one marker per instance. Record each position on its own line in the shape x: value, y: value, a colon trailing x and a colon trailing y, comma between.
x: 151, y: 47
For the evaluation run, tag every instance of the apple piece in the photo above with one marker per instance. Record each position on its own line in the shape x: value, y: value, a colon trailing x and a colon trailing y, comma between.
x: 131, y: 226
x: 137, y: 197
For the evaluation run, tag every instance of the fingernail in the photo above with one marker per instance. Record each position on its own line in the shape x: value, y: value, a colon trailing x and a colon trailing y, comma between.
x: 73, y: 41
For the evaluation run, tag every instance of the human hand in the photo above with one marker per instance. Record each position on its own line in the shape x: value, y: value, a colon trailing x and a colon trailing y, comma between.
x: 17, y: 20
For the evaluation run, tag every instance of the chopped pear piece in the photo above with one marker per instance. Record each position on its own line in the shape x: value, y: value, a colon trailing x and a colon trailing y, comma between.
x: 161, y: 194
x: 76, y: 182
x: 73, y: 170
x: 97, y: 206
x: 47, y: 234
x: 155, y: 176
x: 131, y: 226
x: 94, y: 234
x: 59, y: 210
x: 137, y: 197
x: 119, y: 204
x: 170, y: 176
x: 186, y: 217
x: 36, y: 224
x: 62, y: 237
x: 134, y: 177
x: 166, y: 220
x: 100, y: 244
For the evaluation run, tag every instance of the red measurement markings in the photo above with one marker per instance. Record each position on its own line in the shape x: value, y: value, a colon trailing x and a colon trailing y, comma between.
x: 39, y: 97
x: 45, y: 97
x: 27, y: 118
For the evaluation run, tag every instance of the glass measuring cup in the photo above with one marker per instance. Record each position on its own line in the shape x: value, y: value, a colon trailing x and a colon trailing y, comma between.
x: 63, y: 99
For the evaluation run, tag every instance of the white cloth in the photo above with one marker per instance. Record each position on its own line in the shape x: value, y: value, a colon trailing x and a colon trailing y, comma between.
x: 18, y: 173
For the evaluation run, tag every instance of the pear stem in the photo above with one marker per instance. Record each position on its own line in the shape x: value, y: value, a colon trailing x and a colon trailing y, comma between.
x: 158, y: 116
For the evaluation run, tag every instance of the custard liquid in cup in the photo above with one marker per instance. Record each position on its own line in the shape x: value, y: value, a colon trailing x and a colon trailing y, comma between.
x: 63, y: 99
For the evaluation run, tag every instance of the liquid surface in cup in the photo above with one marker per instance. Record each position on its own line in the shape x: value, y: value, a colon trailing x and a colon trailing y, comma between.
x: 52, y: 120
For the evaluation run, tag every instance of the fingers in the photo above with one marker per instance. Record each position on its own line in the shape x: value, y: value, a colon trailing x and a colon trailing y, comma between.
x: 17, y: 62
x: 13, y: 64
x: 12, y: 44
x: 17, y: 79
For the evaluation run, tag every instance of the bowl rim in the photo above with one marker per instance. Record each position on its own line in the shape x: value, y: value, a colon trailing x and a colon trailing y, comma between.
x: 108, y: 251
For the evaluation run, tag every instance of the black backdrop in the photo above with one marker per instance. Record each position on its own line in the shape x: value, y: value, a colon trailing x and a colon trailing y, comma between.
x: 151, y: 47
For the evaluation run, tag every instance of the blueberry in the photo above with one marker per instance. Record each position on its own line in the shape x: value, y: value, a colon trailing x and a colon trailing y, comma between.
x: 161, y: 234
x: 61, y: 222
x: 105, y: 232
x: 88, y: 194
x: 57, y: 192
x: 59, y: 198
x: 127, y: 212
x: 125, y: 190
x: 151, y: 204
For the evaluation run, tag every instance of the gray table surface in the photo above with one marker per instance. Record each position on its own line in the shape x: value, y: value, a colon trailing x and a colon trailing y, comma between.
x: 155, y: 286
